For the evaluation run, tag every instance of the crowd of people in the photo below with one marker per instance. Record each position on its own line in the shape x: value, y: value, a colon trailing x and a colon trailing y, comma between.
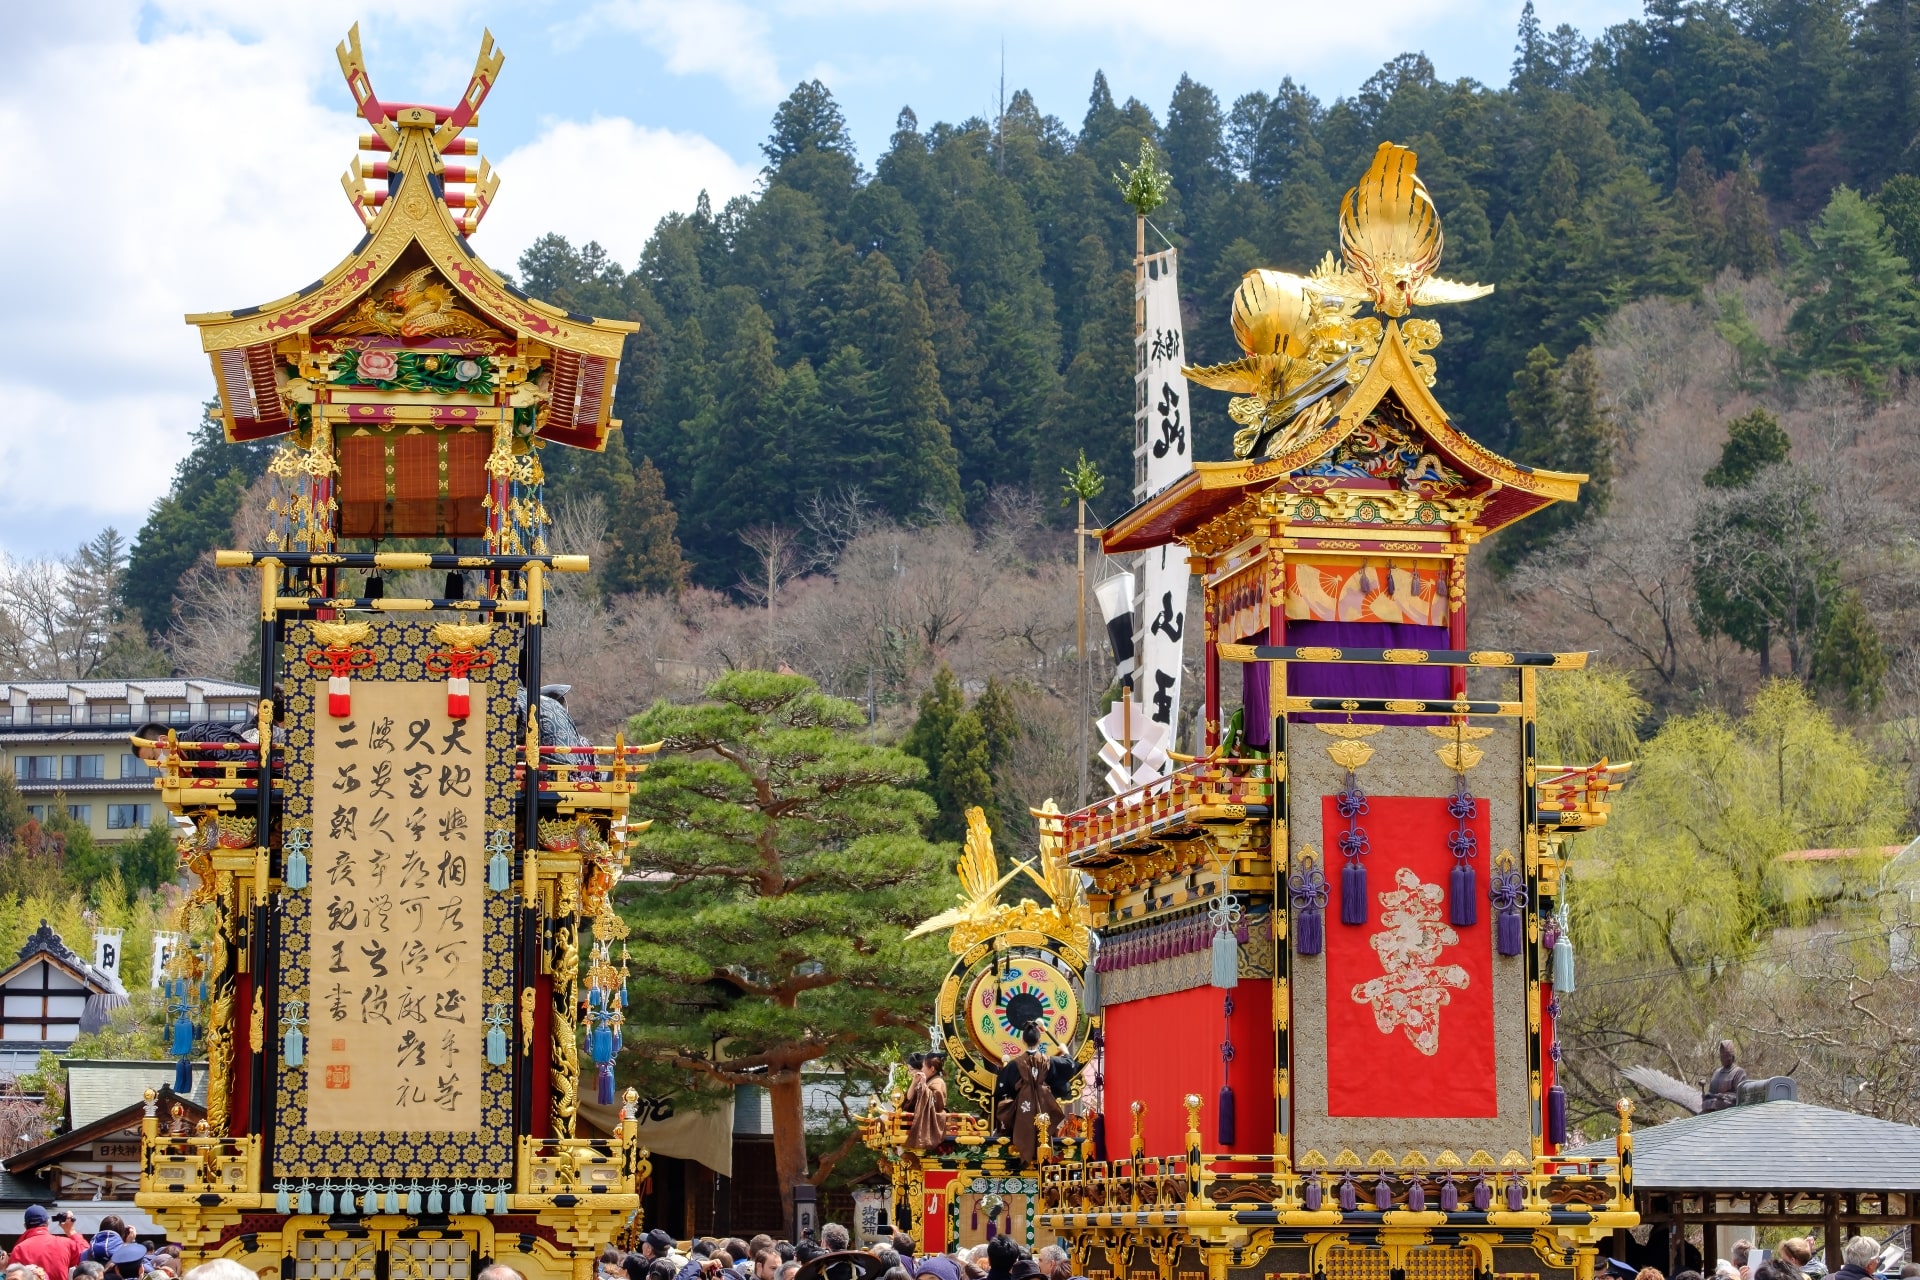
x: 52, y: 1247
x: 659, y: 1257
x: 1793, y: 1259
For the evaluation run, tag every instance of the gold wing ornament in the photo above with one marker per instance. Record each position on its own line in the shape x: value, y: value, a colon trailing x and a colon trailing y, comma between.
x: 980, y: 879
x: 1391, y: 240
x: 1293, y: 331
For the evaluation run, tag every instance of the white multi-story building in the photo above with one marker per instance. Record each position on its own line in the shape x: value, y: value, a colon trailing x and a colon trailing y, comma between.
x: 65, y: 743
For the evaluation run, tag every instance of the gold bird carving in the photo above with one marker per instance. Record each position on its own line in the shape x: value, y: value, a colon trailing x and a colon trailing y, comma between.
x: 417, y: 306
x: 980, y: 879
x: 462, y: 636
x: 1390, y: 238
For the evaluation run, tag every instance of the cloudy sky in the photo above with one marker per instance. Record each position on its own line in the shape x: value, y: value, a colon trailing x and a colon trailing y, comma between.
x: 185, y: 155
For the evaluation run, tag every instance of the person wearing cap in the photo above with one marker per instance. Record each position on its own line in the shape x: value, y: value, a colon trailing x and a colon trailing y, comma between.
x: 39, y: 1247
x: 129, y: 1261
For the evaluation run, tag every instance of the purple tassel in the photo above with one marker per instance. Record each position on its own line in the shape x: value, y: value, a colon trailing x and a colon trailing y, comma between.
x: 605, y: 1094
x: 1463, y: 905
x: 1309, y: 933
x: 1516, y: 1195
x: 1310, y: 1194
x: 1226, y: 1115
x: 1509, y: 895
x: 1510, y: 931
x: 1417, y: 1196
x: 1482, y: 1195
x: 1382, y: 1194
x: 1353, y: 892
x: 1449, y: 1195
x: 1557, y: 1116
x: 1308, y: 889
x: 1349, y: 1196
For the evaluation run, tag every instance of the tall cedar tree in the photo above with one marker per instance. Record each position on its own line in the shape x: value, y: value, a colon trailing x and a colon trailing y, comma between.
x: 788, y: 865
x: 1859, y: 313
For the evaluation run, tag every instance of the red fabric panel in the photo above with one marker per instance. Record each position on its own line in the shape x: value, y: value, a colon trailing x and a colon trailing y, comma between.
x: 1164, y: 1047
x: 1445, y: 975
x: 240, y: 1091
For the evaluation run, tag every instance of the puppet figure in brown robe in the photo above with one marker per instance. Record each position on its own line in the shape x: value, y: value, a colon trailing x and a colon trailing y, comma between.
x: 1028, y: 1097
x: 930, y: 1114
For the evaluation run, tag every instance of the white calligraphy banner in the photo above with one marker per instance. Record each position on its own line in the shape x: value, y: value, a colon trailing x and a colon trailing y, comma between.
x: 1163, y: 454
x: 395, y: 944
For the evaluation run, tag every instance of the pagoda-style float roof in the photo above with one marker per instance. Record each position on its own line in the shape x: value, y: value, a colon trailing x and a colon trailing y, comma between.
x: 1332, y: 401
x: 413, y: 283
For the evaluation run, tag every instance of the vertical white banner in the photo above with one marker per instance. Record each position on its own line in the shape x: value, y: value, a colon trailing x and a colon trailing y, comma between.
x: 1163, y: 453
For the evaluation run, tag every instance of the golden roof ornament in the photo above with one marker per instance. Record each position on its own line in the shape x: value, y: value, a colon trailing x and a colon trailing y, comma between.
x: 1390, y: 237
x: 1304, y: 343
x: 981, y: 914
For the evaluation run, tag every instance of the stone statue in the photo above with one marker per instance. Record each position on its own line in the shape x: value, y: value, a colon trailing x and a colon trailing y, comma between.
x: 1723, y: 1086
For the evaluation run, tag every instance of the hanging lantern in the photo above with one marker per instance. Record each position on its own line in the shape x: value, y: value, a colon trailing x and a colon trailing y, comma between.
x: 340, y: 656
x: 459, y: 660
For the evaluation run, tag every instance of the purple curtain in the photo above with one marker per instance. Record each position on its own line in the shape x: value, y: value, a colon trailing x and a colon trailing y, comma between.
x: 1257, y: 705
x: 1328, y: 680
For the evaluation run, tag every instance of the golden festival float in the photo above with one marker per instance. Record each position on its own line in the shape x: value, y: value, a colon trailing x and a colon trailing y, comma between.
x: 1314, y: 969
x: 402, y: 866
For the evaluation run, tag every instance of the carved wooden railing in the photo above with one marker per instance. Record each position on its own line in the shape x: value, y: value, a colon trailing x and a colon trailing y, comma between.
x: 1217, y: 790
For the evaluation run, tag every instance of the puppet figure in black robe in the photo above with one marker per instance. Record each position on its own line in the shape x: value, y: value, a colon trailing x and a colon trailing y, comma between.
x: 1028, y: 1097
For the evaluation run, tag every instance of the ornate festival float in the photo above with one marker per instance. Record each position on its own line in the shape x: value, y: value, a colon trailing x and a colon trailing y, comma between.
x: 400, y: 866
x: 1327, y: 949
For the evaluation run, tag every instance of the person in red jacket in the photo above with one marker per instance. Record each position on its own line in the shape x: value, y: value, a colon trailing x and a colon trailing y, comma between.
x: 42, y: 1248
x: 70, y: 1232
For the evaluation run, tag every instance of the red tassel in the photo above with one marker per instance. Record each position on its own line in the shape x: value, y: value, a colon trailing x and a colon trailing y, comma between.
x: 339, y: 697
x: 459, y: 698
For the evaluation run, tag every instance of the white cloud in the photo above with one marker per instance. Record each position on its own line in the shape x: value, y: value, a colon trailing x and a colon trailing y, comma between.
x: 609, y: 180
x: 721, y: 38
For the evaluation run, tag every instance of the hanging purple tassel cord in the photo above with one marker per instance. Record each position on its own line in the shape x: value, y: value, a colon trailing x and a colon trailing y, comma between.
x: 1463, y: 896
x: 1351, y: 804
x: 1309, y: 890
x: 1449, y: 1195
x: 1310, y: 1193
x: 1227, y: 1116
x: 1557, y: 1116
x: 1509, y: 893
x: 1416, y: 1196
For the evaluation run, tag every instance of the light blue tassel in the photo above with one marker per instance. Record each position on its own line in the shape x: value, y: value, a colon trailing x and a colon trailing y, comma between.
x: 296, y: 876
x: 326, y: 1200
x: 305, y: 1202
x: 393, y: 1199
x: 1226, y: 960
x: 457, y: 1202
x: 413, y: 1198
x: 500, y: 1198
x: 282, y: 1202
x: 433, y: 1199
x: 294, y: 1047
x: 499, y: 871
x: 346, y: 1200
x: 1563, y: 965
x: 496, y: 1047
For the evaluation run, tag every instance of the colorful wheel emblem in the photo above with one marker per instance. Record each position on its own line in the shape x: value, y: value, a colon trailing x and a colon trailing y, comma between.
x: 1025, y: 989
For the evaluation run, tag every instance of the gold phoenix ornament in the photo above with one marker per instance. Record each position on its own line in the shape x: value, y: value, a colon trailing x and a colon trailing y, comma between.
x: 1390, y: 238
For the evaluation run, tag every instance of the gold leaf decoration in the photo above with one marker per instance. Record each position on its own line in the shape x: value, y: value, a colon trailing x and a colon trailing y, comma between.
x: 341, y: 635
x: 461, y: 636
x: 1350, y: 754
